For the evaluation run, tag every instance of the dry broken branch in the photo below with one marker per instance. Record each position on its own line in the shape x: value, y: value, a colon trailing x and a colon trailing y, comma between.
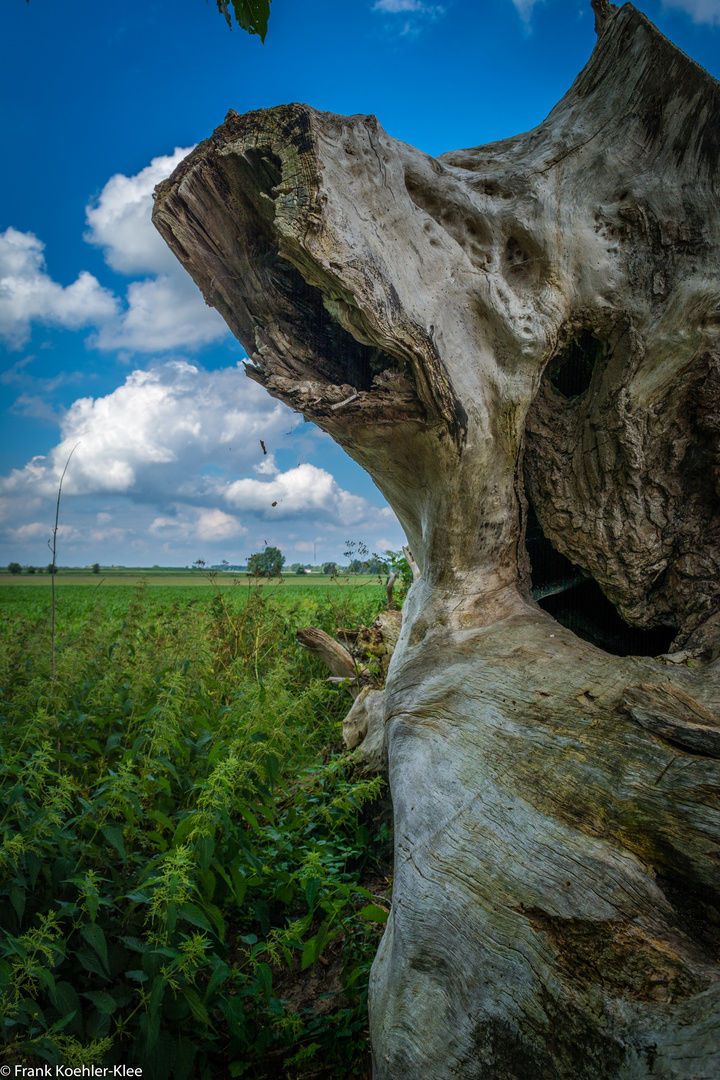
x: 335, y: 657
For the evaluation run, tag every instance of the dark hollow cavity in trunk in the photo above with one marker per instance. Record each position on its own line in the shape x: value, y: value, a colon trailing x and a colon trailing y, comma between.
x: 572, y: 597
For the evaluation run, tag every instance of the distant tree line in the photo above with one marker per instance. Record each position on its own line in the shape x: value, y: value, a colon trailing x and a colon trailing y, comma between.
x: 16, y: 568
x: 269, y: 563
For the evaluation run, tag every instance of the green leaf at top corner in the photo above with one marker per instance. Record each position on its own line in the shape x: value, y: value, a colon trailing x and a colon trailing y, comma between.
x: 253, y: 15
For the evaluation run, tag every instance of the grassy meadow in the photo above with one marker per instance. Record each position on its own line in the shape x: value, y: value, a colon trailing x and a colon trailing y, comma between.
x: 194, y: 875
x: 155, y: 578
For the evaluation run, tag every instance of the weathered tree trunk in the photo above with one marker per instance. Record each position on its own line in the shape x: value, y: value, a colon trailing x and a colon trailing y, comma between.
x: 519, y: 337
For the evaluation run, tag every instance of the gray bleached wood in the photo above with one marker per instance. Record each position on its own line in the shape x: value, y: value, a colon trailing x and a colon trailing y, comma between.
x: 538, y: 320
x: 335, y: 656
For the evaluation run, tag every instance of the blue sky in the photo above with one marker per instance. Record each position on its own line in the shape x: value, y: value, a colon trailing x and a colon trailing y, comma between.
x: 105, y: 342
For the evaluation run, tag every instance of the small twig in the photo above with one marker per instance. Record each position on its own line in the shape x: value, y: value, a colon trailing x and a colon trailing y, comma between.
x: 389, y: 589
x: 347, y: 401
x: 411, y: 562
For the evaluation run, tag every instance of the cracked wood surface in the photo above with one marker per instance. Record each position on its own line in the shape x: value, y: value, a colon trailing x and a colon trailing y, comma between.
x: 537, y: 319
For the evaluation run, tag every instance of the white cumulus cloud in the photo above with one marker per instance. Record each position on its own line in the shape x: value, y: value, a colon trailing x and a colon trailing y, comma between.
x: 165, y: 311
x: 119, y: 220
x: 39, y: 530
x: 156, y: 431
x: 28, y: 294
x: 305, y: 489
x: 190, y: 523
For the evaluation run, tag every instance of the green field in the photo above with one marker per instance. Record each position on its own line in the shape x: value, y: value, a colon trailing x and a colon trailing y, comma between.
x: 77, y: 591
x: 190, y: 578
x: 193, y: 874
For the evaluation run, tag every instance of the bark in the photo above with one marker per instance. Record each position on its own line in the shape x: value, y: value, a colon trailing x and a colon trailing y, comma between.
x: 518, y: 338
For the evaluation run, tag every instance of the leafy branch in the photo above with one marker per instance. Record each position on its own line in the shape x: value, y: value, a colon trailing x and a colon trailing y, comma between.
x: 251, y: 15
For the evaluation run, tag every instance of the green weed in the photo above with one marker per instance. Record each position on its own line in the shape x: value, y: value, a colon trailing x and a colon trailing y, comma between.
x: 192, y: 874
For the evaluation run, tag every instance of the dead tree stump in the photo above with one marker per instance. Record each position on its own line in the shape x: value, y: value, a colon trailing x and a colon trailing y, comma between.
x: 519, y: 341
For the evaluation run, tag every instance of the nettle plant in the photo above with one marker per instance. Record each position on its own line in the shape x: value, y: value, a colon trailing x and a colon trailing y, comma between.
x: 187, y: 867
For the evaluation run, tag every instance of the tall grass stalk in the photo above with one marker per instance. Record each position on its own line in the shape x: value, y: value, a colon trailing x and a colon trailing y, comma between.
x: 54, y: 555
